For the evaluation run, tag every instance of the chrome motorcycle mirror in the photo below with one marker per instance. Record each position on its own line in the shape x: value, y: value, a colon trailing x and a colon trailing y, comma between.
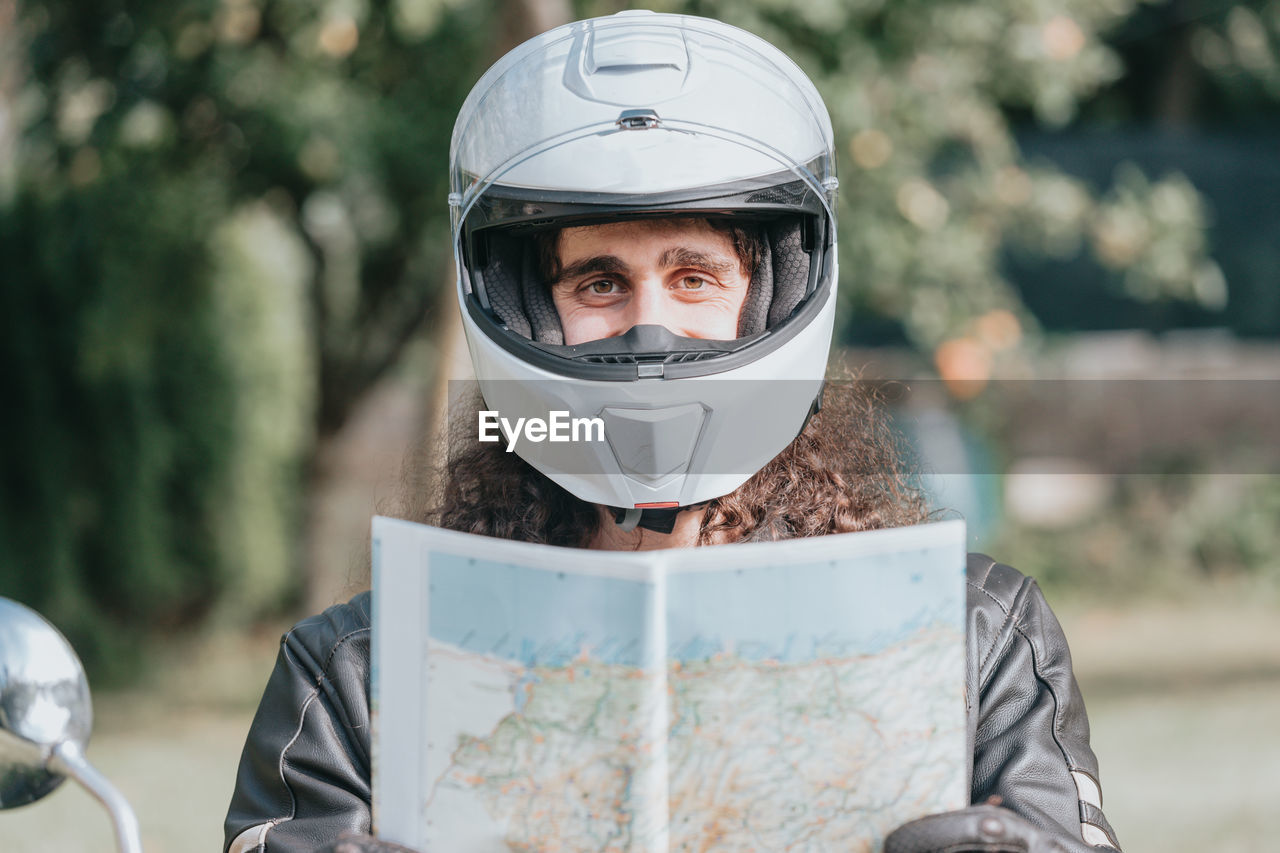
x: 45, y: 718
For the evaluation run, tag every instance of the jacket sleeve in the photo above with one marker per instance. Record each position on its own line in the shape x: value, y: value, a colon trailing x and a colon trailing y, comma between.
x: 304, y: 773
x: 1030, y: 732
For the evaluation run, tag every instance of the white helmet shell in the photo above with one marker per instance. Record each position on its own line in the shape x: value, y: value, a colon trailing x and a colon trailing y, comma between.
x: 633, y: 115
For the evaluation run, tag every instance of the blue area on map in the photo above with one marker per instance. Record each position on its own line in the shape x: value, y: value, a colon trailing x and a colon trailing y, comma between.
x: 538, y: 617
x: 789, y: 613
x: 802, y: 612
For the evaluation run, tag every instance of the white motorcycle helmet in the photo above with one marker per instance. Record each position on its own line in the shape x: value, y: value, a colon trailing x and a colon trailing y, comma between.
x: 623, y: 117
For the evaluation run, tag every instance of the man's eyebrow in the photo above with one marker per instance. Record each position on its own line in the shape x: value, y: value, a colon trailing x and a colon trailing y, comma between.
x: 607, y: 264
x: 685, y: 257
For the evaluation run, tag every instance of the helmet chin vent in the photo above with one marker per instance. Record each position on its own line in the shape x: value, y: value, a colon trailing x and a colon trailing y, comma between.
x: 664, y: 358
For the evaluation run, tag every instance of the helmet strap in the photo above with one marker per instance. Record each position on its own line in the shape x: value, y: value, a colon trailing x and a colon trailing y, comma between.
x: 657, y: 519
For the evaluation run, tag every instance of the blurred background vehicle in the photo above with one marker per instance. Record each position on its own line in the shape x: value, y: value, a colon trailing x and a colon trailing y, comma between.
x: 225, y: 322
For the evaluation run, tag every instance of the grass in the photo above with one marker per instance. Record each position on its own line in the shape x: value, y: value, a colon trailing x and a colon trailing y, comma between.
x: 1192, y: 771
x: 1183, y: 702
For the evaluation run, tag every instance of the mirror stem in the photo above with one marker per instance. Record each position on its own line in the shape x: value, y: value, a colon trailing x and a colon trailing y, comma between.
x: 70, y: 761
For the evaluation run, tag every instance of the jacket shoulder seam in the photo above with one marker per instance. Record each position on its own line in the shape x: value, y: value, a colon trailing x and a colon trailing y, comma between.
x: 312, y: 696
x: 998, y: 633
x: 337, y: 644
x: 991, y: 564
x: 284, y: 756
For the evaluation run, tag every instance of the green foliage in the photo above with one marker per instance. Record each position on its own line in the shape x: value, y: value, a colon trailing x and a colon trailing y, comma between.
x: 260, y: 292
x: 1160, y: 535
x: 1237, y: 47
x: 339, y: 115
x: 118, y: 399
x: 223, y: 222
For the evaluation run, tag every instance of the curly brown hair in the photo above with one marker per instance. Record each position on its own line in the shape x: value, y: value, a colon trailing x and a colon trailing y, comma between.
x: 843, y: 473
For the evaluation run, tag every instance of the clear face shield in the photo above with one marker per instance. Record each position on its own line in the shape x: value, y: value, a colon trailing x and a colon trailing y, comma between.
x: 552, y: 137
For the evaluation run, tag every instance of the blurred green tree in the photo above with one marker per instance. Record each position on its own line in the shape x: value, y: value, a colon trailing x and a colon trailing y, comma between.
x: 221, y: 221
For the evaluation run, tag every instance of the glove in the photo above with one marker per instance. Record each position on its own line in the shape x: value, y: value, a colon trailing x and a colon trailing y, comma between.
x: 350, y: 842
x: 980, y: 829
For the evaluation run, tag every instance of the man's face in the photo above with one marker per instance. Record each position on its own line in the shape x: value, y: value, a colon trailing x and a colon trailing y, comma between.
x: 679, y: 273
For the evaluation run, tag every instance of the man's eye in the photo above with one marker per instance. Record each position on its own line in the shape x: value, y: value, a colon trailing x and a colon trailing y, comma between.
x: 693, y: 282
x: 603, y: 287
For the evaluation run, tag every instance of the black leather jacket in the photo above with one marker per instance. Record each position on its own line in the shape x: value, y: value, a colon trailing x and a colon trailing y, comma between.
x: 305, y: 773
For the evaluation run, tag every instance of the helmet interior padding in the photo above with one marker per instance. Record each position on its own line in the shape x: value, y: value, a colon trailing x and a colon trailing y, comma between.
x: 780, y: 279
x: 522, y: 300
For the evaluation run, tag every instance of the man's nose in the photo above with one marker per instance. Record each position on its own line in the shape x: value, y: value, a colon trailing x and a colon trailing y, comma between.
x: 650, y: 306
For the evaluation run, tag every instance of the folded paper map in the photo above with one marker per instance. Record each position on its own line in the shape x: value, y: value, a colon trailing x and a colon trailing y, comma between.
x: 800, y: 695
